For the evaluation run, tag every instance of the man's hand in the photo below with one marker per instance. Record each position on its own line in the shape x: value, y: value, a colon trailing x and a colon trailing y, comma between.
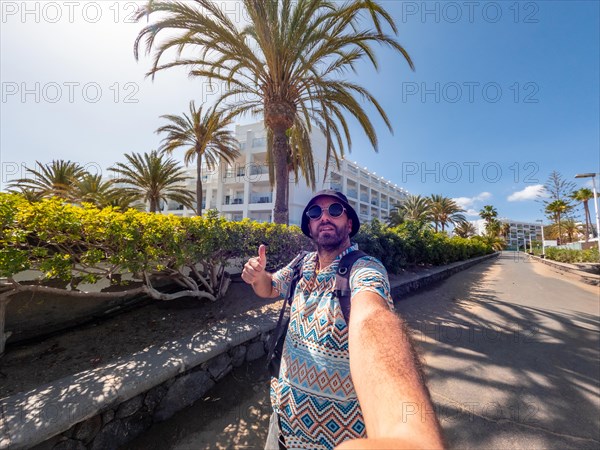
x: 254, y: 266
x: 254, y: 274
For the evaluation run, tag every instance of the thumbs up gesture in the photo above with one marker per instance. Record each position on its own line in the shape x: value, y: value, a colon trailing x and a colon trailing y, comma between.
x: 254, y: 269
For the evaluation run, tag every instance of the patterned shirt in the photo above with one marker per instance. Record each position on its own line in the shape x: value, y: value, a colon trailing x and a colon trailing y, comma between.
x: 314, y: 394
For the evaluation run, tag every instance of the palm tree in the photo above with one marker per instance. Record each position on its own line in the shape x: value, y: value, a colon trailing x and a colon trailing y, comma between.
x: 555, y: 210
x: 494, y: 227
x: 92, y: 189
x: 505, y: 230
x: 55, y: 179
x: 444, y: 210
x: 203, y: 137
x: 584, y: 195
x: 151, y: 178
x: 465, y: 230
x: 572, y: 229
x: 284, y: 63
x: 488, y: 213
x: 417, y: 208
x: 397, y: 216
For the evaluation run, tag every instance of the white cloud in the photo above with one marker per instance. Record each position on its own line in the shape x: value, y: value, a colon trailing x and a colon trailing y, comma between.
x: 472, y: 212
x: 468, y: 202
x: 529, y: 193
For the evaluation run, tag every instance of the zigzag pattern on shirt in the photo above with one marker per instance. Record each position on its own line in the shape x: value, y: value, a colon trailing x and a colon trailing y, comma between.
x: 314, y: 394
x: 310, y: 419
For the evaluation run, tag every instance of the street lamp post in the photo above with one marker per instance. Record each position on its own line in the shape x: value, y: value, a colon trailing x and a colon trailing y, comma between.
x: 543, y: 248
x: 593, y: 177
x: 530, y: 244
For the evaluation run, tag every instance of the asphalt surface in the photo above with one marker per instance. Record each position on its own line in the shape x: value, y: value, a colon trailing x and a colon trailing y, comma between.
x: 511, y: 350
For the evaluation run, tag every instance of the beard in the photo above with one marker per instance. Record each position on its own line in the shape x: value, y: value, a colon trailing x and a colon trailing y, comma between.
x: 330, y: 239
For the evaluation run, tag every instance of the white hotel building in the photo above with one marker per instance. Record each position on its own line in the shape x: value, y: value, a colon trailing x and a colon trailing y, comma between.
x: 520, y: 233
x: 242, y: 190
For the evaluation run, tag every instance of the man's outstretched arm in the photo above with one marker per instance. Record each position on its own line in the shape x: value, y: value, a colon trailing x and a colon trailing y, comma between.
x: 393, y: 397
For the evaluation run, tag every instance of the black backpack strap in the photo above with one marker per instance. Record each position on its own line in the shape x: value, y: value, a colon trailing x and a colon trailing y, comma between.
x: 276, y: 340
x: 342, y: 281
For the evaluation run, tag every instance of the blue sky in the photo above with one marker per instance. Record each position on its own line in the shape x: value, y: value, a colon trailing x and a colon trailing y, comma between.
x: 503, y: 94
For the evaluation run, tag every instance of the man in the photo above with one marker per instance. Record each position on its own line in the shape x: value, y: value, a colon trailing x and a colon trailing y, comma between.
x: 339, y: 382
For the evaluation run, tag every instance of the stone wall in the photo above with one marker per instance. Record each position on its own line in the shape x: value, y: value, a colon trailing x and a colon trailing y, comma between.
x: 119, y: 424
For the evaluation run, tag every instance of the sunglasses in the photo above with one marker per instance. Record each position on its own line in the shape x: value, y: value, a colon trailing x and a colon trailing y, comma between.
x: 334, y: 210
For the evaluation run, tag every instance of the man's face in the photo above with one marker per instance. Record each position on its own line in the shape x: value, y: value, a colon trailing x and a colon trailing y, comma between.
x: 329, y: 232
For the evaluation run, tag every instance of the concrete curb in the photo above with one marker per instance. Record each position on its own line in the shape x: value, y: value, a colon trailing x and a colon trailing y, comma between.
x: 29, y: 418
x: 585, y: 277
x: 434, y: 274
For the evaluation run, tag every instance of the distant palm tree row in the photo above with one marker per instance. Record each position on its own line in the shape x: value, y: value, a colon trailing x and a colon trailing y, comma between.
x: 436, y: 209
x: 560, y: 197
x: 560, y: 211
x: 150, y: 178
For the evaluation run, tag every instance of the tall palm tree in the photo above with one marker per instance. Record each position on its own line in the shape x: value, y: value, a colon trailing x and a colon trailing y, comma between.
x: 488, y: 213
x: 584, y: 195
x: 505, y: 230
x: 444, y: 210
x: 285, y: 63
x: 417, y: 208
x: 555, y: 210
x: 55, y: 179
x: 202, y: 136
x: 152, y: 178
x: 494, y: 227
x: 465, y: 230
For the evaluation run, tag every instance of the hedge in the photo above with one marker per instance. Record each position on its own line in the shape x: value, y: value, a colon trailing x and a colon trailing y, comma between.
x: 572, y: 256
x: 414, y: 243
x: 85, y: 244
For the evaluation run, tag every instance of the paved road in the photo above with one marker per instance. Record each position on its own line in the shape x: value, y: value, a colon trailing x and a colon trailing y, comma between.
x: 511, y: 351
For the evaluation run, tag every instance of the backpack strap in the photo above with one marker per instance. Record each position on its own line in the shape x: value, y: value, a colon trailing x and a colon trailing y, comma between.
x: 342, y: 281
x: 276, y: 340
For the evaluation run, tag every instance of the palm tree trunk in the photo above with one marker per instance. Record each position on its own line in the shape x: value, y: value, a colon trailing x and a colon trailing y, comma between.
x: 587, y: 220
x: 153, y: 205
x: 198, y: 184
x: 559, y: 230
x: 280, y: 210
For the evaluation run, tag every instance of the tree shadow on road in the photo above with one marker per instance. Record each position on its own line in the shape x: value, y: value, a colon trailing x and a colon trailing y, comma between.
x: 516, y: 369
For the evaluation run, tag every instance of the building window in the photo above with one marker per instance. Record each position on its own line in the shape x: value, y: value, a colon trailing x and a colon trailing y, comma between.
x: 259, y: 142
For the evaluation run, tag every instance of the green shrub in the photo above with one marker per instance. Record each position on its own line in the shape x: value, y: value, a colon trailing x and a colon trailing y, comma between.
x: 414, y: 243
x: 567, y: 255
x: 86, y: 244
x: 77, y: 244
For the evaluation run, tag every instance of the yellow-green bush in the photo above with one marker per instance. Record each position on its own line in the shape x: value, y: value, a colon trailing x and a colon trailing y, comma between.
x: 572, y: 256
x: 83, y: 243
x: 78, y: 244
